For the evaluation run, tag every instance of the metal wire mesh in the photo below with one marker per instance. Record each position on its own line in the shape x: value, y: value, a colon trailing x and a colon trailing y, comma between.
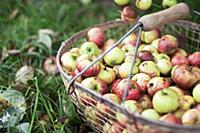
x: 101, y: 113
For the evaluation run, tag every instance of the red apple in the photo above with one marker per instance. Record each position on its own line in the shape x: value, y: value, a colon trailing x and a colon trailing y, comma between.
x: 179, y: 60
x: 133, y: 89
x: 167, y: 44
x: 170, y: 118
x: 131, y: 39
x: 108, y: 44
x: 142, y: 79
x: 180, y: 51
x: 194, y: 59
x: 96, y: 35
x: 85, y: 60
x: 145, y: 55
x: 50, y: 65
x: 74, y: 73
x: 185, y: 76
x: 128, y: 14
x: 157, y: 83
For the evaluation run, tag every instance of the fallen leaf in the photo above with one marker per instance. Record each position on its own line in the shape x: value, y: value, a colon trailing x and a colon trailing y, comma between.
x: 46, y: 40
x: 24, y: 74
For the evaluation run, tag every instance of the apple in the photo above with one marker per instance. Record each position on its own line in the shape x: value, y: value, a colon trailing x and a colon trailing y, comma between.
x: 68, y: 62
x: 121, y: 2
x: 167, y: 44
x: 180, y: 51
x: 128, y: 49
x: 95, y: 84
x: 144, y: 102
x: 156, y: 84
x: 170, y: 118
x: 178, y: 90
x: 133, y: 89
x: 191, y: 117
x: 143, y: 4
x: 89, y: 48
x: 131, y: 39
x: 108, y: 44
x: 128, y: 14
x: 125, y: 69
x: 116, y: 128
x: 150, y: 114
x: 107, y: 75
x: 155, y: 42
x: 186, y: 102
x: 185, y: 76
x: 96, y: 35
x: 114, y: 57
x: 149, y: 36
x: 168, y: 3
x: 196, y: 93
x: 83, y: 61
x: 194, y: 59
x: 165, y: 101
x: 145, y: 55
x: 164, y: 66
x: 74, y: 73
x: 142, y: 79
x: 50, y: 65
x: 197, y: 106
x: 129, y: 57
x: 179, y: 60
x: 150, y: 48
x: 179, y: 113
x: 161, y: 56
x: 150, y: 68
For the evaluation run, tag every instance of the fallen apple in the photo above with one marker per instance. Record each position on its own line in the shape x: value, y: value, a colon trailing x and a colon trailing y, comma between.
x: 150, y: 68
x: 143, y: 4
x: 128, y: 14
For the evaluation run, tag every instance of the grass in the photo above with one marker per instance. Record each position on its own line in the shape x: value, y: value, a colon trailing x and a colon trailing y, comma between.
x: 49, y: 109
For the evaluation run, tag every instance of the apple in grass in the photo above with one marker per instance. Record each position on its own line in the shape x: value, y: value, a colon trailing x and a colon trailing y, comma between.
x: 114, y: 57
x: 167, y: 44
x: 194, y: 59
x: 165, y: 100
x: 186, y: 102
x: 156, y: 84
x: 145, y: 55
x: 170, y: 118
x: 164, y: 66
x: 143, y: 4
x: 142, y: 79
x: 95, y: 84
x: 149, y: 68
x: 128, y: 14
x: 185, y: 76
x: 131, y: 39
x: 107, y: 75
x: 119, y: 86
x: 168, y: 3
x: 68, y: 62
x: 83, y: 61
x: 179, y: 60
x: 191, y: 117
x: 96, y: 35
x: 149, y: 36
x: 122, y: 2
x: 109, y: 43
x: 89, y: 48
x: 150, y: 114
x: 196, y: 93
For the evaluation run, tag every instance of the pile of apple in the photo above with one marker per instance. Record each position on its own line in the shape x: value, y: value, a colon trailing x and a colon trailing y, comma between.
x: 164, y: 84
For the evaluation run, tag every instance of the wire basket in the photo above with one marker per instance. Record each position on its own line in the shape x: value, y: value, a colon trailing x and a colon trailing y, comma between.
x: 86, y: 100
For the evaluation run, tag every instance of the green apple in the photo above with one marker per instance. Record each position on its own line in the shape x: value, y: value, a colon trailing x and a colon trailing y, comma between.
x: 114, y: 57
x: 128, y: 48
x: 125, y: 68
x: 68, y: 61
x: 107, y: 75
x: 150, y: 114
x: 196, y: 93
x: 121, y: 2
x: 150, y: 68
x: 155, y: 42
x: 164, y: 66
x: 160, y: 56
x: 143, y: 4
x: 165, y: 101
x: 149, y: 36
x: 89, y: 48
x: 150, y: 48
x: 169, y: 3
x: 186, y: 101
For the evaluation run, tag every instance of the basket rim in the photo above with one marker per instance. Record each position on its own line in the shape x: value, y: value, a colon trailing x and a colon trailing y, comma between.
x: 137, y: 116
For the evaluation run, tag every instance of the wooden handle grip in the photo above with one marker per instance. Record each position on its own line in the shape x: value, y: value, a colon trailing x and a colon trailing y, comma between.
x: 172, y: 14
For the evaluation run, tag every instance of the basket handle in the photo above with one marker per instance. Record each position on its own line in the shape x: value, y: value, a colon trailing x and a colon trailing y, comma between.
x: 172, y: 14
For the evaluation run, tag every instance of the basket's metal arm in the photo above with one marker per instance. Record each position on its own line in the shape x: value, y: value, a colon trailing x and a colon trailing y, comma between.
x: 70, y: 85
x: 133, y: 63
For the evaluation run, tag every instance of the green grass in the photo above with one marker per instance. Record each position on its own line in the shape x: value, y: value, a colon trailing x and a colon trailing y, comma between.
x: 49, y: 109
